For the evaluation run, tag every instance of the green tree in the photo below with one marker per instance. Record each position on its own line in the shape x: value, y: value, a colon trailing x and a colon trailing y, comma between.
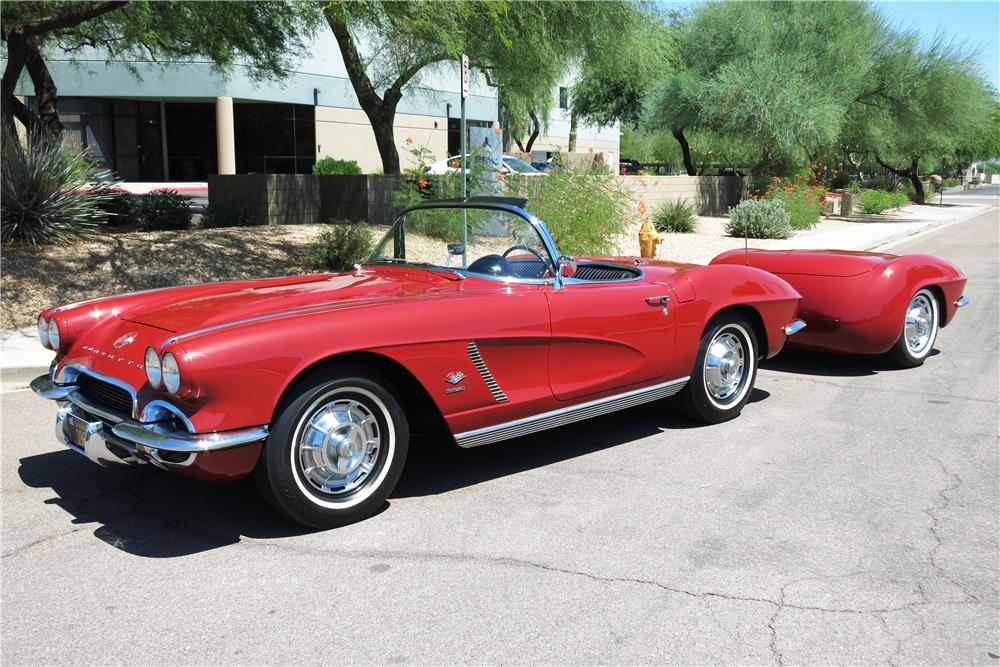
x: 262, y: 35
x: 777, y: 74
x: 523, y: 48
x: 919, y: 102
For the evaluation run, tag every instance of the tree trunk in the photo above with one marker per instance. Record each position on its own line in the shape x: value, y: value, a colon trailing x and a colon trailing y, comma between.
x: 918, y: 186
x: 46, y: 94
x: 571, y: 148
x: 685, y: 150
x: 385, y: 140
x: 11, y: 106
x: 913, y: 173
x: 536, y: 127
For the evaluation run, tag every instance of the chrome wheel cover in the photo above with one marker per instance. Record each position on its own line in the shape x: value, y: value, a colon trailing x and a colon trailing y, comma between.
x: 338, y: 446
x: 920, y: 322
x: 725, y: 364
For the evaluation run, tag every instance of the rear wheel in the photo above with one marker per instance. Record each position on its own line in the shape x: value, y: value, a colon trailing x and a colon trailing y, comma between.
x: 336, y: 449
x: 724, y: 371
x: 920, y: 328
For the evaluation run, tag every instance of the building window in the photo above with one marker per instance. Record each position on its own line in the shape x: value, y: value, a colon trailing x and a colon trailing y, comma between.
x: 275, y: 138
x: 563, y: 97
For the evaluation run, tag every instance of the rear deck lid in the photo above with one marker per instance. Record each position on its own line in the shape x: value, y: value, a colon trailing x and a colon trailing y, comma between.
x: 836, y: 263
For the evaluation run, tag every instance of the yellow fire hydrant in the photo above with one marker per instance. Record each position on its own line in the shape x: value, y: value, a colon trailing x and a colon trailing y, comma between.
x: 648, y: 239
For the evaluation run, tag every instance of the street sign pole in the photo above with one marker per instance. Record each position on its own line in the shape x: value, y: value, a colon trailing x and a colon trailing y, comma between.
x: 462, y: 156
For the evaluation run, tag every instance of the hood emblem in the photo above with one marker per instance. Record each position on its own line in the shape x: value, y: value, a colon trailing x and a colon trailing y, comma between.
x: 454, y: 378
x: 125, y: 340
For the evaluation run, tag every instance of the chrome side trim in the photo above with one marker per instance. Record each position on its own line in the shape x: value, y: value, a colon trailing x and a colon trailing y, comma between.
x: 154, y: 436
x: 568, y: 415
x: 793, y: 327
x: 155, y: 411
x: 477, y: 360
x: 962, y: 302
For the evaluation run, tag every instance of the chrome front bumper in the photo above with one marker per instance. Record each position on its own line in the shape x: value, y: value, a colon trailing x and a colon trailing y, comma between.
x: 103, y: 437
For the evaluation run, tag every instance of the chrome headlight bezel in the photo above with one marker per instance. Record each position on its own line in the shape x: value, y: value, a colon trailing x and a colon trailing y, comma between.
x: 171, y: 371
x: 154, y: 368
x: 54, y: 336
x: 43, y: 331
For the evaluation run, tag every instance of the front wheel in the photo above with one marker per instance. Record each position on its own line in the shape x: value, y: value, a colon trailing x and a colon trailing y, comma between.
x: 336, y: 449
x: 724, y: 370
x: 920, y: 328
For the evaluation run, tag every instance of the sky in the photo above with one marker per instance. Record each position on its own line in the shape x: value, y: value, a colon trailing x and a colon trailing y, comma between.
x: 974, y: 24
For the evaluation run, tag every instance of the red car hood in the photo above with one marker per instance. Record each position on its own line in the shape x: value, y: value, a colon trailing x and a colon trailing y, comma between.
x: 213, y: 304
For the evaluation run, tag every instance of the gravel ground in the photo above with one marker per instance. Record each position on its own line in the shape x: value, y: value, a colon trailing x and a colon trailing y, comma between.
x: 35, y: 278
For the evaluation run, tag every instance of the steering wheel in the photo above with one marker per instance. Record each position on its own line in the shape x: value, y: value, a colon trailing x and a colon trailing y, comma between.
x: 529, y: 249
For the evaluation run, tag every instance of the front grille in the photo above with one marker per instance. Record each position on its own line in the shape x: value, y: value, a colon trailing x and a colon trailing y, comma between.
x: 110, y: 396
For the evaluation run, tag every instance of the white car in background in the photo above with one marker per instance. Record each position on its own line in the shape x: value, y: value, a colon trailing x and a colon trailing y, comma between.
x: 508, y: 165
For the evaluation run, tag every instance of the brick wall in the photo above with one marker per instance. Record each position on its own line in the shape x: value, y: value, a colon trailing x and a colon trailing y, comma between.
x: 710, y: 195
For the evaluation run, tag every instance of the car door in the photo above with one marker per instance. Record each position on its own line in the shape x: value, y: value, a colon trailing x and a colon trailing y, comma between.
x: 607, y: 335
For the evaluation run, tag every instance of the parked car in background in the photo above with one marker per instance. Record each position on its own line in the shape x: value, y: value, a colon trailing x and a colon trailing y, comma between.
x: 628, y: 166
x: 509, y: 164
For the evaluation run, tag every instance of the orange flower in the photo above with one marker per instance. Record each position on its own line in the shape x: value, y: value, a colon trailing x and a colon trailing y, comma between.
x: 409, y: 141
x: 422, y: 183
x: 517, y: 125
x: 455, y: 164
x: 601, y: 230
x: 499, y: 176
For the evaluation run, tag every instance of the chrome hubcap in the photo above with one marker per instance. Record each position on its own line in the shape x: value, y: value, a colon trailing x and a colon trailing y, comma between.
x: 919, y: 323
x: 724, y: 366
x: 339, y: 445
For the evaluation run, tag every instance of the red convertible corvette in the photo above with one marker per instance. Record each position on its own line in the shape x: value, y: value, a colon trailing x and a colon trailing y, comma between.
x: 313, y: 384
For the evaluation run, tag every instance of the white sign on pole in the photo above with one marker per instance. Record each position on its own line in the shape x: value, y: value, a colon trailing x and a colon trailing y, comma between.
x: 465, y: 76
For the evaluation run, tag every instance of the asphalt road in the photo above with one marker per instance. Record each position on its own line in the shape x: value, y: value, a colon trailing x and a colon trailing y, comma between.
x: 850, y: 515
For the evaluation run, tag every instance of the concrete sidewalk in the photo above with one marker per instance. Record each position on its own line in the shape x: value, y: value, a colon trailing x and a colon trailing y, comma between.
x: 22, y: 355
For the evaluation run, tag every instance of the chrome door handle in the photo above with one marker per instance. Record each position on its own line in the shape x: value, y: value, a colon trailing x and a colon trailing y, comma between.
x: 657, y: 300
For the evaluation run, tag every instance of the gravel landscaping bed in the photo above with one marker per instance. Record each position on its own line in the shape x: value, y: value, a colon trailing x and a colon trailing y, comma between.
x: 36, y: 278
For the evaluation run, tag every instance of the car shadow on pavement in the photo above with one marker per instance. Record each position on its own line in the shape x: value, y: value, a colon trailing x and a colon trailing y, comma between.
x: 432, y: 470
x: 148, y: 512
x: 825, y: 364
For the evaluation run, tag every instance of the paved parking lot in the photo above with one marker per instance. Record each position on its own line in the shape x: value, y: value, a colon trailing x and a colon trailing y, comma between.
x: 850, y: 515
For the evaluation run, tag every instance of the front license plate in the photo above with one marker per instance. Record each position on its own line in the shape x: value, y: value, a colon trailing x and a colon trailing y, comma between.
x: 76, y: 430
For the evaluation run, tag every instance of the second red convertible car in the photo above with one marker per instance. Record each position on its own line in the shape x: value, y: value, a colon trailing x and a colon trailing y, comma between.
x: 466, y: 318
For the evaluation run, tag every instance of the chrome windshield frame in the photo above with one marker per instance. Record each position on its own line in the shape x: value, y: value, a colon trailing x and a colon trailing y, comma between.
x: 507, y: 204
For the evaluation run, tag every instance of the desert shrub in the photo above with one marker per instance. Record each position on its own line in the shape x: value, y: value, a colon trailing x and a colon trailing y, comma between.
x: 951, y: 183
x: 975, y: 180
x: 228, y: 215
x: 991, y: 168
x: 877, y: 201
x: 804, y: 206
x: 341, y: 245
x: 162, y: 210
x: 329, y: 166
x: 676, y: 216
x: 585, y: 209
x: 45, y: 194
x: 116, y: 204
x: 759, y: 219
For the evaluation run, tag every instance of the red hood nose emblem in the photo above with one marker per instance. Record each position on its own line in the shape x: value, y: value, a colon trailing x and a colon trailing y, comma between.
x: 125, y: 340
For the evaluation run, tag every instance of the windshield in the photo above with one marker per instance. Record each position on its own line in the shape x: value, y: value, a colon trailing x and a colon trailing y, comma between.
x: 488, y: 242
x: 520, y: 166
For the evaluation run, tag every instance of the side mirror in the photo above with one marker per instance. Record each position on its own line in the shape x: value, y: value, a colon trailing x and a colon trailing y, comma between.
x: 566, y: 268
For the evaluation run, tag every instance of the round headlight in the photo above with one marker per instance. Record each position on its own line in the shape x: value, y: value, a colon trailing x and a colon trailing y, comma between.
x: 43, y: 331
x: 171, y: 374
x: 53, y: 335
x: 153, y: 371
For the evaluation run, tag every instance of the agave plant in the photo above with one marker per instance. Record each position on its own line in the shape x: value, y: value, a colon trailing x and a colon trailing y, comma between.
x: 46, y: 193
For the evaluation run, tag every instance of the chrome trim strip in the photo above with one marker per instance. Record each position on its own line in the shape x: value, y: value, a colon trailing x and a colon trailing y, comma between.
x: 477, y: 360
x: 962, y: 302
x: 154, y: 436
x: 154, y: 409
x: 793, y: 327
x: 567, y: 415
